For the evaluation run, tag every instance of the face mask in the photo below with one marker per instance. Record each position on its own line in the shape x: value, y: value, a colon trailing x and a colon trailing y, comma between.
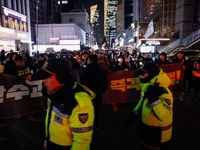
x: 186, y: 58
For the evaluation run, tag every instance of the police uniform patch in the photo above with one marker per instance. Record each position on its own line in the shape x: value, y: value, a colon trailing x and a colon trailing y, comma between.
x: 58, y: 120
x: 45, y: 64
x: 83, y: 118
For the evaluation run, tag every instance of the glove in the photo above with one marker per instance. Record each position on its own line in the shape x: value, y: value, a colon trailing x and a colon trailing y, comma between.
x: 153, y: 92
x: 131, y: 117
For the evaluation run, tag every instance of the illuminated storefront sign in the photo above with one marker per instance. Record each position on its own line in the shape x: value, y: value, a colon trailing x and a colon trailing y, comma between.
x: 21, y: 35
x: 152, y: 43
x: 54, y: 40
x: 159, y: 42
x: 70, y: 42
x: 13, y: 14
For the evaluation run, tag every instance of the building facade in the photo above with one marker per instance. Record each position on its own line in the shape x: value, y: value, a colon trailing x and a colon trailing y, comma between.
x: 81, y: 19
x: 187, y: 17
x: 110, y: 12
x: 163, y: 14
x: 96, y: 28
x: 128, y: 12
x: 59, y: 36
x: 39, y: 16
x: 15, y: 29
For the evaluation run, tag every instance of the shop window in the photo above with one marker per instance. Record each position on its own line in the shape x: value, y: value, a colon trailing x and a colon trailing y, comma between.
x: 26, y: 27
x: 7, y: 23
x: 14, y: 25
x: 18, y: 26
x: 23, y: 27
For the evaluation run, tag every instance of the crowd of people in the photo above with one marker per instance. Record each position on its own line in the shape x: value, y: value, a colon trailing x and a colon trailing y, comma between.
x: 76, y: 77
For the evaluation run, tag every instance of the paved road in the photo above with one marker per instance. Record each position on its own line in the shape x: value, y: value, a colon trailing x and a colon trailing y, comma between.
x: 26, y: 135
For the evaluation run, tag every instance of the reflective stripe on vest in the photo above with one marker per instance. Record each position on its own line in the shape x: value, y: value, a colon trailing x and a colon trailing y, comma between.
x: 82, y: 130
x: 169, y: 108
x: 155, y: 103
x: 48, y: 103
x: 149, y: 146
x: 60, y: 113
x: 167, y: 127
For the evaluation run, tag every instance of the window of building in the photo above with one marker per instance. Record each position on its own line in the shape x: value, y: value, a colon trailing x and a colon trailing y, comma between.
x: 5, y: 3
x: 58, y: 2
x: 64, y: 2
x: 22, y: 7
x: 14, y: 25
x: 18, y: 26
x: 26, y: 27
x: 7, y: 22
x: 12, y: 5
x: 25, y: 8
x: 17, y: 6
x: 23, y: 27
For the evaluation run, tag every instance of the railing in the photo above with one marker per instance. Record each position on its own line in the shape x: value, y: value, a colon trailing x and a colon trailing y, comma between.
x: 182, y: 43
x: 192, y: 37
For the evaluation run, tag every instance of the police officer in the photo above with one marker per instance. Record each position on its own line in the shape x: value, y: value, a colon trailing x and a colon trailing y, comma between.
x: 155, y: 108
x: 70, y: 113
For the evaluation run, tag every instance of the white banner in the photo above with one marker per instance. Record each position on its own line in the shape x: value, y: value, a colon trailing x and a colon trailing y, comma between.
x: 150, y: 30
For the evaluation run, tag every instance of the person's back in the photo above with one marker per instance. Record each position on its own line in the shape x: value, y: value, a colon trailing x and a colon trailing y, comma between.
x: 96, y: 80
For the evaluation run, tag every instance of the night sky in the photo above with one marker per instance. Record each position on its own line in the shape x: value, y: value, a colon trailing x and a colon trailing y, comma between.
x: 87, y: 3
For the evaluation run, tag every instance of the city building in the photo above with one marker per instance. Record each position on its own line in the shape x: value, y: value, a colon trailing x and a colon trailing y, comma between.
x: 95, y: 20
x: 81, y: 19
x: 92, y: 12
x: 128, y: 12
x: 187, y: 17
x: 15, y: 28
x: 163, y: 14
x: 38, y: 14
x: 55, y: 7
x: 110, y: 12
x: 59, y: 36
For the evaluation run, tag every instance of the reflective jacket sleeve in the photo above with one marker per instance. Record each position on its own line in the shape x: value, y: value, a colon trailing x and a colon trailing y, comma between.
x: 163, y: 107
x: 81, y: 122
x: 138, y: 106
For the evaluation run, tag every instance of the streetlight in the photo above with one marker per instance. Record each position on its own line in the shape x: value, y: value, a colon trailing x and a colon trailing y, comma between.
x: 37, y: 27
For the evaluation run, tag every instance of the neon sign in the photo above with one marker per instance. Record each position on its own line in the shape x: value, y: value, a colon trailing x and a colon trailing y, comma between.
x: 13, y: 14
